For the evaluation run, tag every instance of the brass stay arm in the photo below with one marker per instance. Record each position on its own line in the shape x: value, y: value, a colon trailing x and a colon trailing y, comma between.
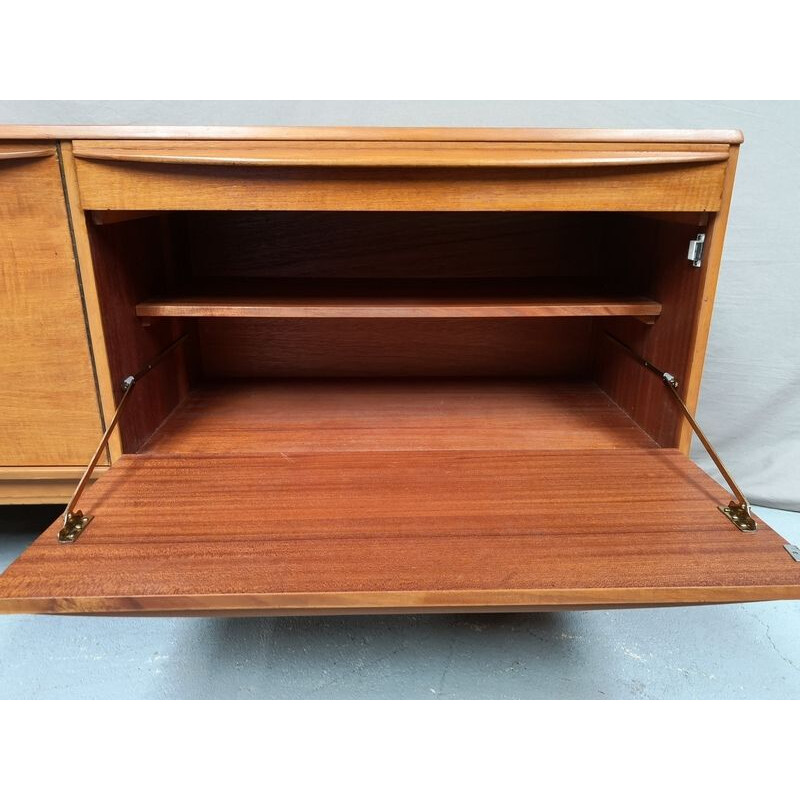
x: 738, y: 510
x: 75, y: 522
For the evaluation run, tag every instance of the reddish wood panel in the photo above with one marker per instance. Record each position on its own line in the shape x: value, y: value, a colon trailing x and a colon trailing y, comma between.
x: 338, y: 415
x: 131, y: 262
x: 241, y: 348
x: 670, y: 279
x: 405, y: 531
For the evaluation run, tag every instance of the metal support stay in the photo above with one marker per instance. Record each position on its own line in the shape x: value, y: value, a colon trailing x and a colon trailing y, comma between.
x: 75, y: 521
x: 738, y: 510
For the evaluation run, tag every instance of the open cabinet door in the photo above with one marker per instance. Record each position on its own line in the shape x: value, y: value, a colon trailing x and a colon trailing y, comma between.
x: 355, y: 532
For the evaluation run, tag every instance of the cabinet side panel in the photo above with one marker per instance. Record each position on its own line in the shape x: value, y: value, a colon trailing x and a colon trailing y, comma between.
x: 705, y: 299
x: 132, y: 261
x: 653, y: 250
x: 652, y: 253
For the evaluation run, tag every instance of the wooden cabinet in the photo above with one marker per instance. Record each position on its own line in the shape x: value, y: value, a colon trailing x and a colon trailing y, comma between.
x: 415, y: 370
x: 49, y: 412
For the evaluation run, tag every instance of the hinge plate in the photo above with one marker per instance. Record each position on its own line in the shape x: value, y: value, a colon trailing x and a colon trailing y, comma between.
x: 74, y: 526
x: 739, y: 515
x: 696, y: 245
x: 793, y: 550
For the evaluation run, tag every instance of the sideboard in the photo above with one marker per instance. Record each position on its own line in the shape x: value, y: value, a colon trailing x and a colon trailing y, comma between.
x: 353, y: 370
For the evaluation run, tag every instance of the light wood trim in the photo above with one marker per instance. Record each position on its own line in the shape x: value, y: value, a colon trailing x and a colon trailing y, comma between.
x: 343, y: 133
x: 38, y: 485
x: 10, y: 152
x: 393, y: 154
x: 711, y: 266
x: 22, y: 493
x: 45, y: 473
x: 92, y: 303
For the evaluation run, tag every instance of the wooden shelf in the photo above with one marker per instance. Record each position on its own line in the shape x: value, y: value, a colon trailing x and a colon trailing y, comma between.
x: 291, y: 416
x: 285, y: 298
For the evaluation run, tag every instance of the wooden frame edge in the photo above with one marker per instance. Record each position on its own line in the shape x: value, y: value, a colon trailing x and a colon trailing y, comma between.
x: 364, y: 133
x: 397, y: 602
x: 94, y: 320
x: 705, y: 300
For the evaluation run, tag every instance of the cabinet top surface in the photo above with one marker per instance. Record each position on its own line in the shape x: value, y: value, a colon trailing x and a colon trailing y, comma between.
x: 409, y: 134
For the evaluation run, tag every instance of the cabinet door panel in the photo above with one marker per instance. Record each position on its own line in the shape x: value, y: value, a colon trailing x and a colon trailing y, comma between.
x: 358, y: 532
x: 49, y: 413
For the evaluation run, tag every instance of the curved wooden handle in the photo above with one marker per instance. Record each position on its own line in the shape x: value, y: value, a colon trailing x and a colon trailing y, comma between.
x: 25, y: 151
x: 382, y: 154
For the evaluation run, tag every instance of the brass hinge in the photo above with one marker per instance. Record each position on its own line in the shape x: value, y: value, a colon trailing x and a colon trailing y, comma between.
x: 737, y: 510
x: 75, y: 521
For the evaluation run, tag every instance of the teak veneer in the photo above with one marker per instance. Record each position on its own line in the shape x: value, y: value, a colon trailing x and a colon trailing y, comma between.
x: 318, y: 532
x: 396, y: 387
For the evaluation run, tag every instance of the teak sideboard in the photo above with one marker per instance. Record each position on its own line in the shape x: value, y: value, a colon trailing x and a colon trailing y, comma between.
x: 348, y: 370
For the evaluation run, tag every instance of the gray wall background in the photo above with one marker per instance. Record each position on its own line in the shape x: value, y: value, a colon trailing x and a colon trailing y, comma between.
x: 750, y: 398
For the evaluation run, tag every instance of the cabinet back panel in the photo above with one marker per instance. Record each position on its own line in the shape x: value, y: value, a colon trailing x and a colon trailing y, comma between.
x: 391, y: 244
x: 242, y: 348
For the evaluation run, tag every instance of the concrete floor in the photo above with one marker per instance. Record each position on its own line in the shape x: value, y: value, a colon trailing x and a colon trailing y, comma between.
x: 740, y: 651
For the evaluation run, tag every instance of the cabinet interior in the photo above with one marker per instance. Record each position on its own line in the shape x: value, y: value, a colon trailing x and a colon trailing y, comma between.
x: 336, y: 331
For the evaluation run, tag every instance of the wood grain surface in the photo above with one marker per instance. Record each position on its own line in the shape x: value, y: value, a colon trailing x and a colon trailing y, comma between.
x: 120, y: 185
x: 402, y: 245
x: 672, y: 280
x: 94, y: 320
x: 554, y: 347
x: 704, y: 298
x: 131, y: 261
x: 394, y: 414
x: 402, y: 530
x: 49, y: 413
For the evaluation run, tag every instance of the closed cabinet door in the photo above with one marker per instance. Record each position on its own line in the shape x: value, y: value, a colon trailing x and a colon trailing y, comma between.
x: 49, y: 414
